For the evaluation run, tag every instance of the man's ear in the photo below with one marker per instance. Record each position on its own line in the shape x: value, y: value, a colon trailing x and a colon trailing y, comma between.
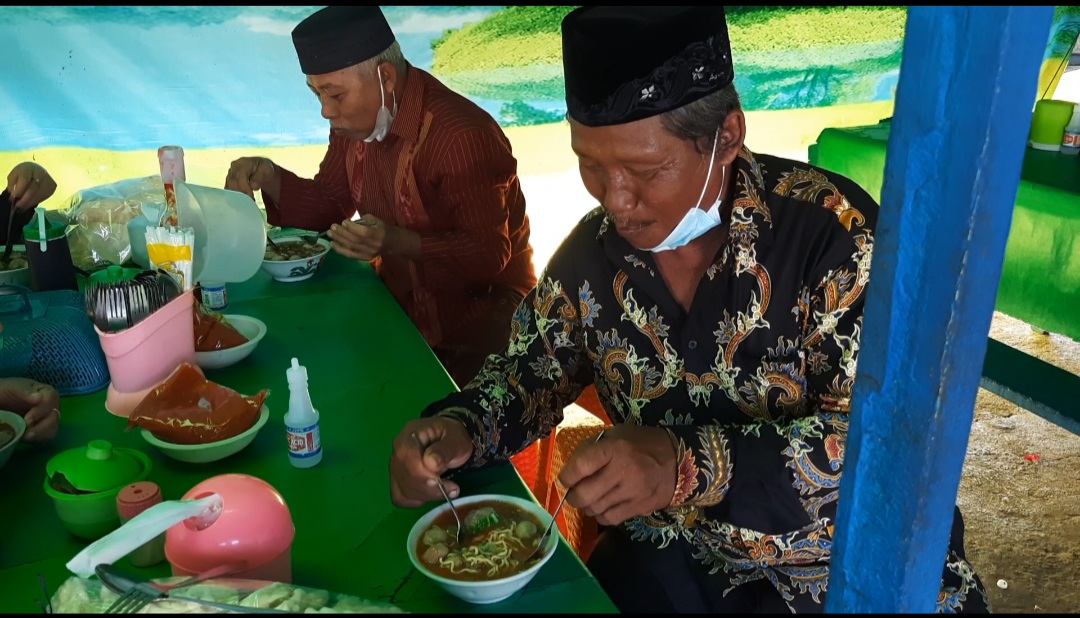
x: 732, y: 137
x: 389, y: 75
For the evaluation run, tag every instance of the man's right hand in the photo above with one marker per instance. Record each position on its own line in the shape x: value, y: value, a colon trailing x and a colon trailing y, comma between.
x: 250, y: 174
x: 36, y: 402
x: 423, y: 451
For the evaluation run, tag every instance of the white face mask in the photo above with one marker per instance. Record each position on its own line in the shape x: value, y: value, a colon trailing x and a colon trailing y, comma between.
x: 385, y: 117
x: 696, y: 221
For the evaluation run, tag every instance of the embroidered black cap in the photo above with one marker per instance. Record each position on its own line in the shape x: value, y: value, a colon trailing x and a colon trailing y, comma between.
x: 337, y: 37
x: 623, y: 63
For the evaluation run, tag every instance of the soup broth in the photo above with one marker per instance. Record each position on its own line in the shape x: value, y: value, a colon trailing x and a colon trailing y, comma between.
x: 292, y: 250
x: 7, y: 434
x: 499, y: 537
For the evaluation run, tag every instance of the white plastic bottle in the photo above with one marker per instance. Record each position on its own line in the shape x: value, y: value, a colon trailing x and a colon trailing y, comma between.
x: 302, y: 420
x: 1070, y: 140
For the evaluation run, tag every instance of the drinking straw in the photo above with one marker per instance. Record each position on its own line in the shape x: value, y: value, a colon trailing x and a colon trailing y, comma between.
x: 41, y: 228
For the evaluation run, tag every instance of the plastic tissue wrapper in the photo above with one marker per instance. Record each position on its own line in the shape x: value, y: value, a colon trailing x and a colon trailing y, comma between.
x: 142, y: 529
x: 88, y: 596
x: 189, y: 409
x: 100, y: 216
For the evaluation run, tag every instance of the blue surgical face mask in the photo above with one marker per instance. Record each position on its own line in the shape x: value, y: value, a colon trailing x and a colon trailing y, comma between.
x: 385, y: 117
x: 697, y: 221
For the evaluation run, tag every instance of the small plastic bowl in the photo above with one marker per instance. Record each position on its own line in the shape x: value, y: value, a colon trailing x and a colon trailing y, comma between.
x: 249, y: 327
x: 214, y: 451
x: 19, y: 425
x: 490, y: 591
x: 295, y: 270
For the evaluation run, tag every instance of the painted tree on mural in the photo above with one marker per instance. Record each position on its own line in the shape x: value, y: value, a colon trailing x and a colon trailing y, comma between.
x: 842, y: 55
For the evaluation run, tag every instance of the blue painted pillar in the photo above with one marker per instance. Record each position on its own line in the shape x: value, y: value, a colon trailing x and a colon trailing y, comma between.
x: 963, y: 107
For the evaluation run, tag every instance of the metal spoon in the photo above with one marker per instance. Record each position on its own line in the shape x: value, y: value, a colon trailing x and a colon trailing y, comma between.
x: 270, y: 229
x: 310, y: 239
x: 453, y: 509
x: 554, y: 515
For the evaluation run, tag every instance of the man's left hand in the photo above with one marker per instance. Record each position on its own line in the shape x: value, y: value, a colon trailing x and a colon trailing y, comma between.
x: 364, y: 239
x: 631, y: 471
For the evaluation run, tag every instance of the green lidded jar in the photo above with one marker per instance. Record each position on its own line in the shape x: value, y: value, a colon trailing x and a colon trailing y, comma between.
x: 84, y: 483
x: 50, y: 268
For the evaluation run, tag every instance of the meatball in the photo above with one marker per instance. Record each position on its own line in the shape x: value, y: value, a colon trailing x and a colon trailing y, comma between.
x: 434, y: 535
x: 435, y: 553
x: 524, y: 529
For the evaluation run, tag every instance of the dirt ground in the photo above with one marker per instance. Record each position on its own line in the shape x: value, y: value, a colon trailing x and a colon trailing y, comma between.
x: 1023, y: 517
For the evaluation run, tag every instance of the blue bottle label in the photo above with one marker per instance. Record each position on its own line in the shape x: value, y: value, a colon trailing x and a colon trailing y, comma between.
x: 215, y: 297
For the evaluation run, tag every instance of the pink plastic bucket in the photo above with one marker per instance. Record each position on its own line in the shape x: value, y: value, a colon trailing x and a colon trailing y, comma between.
x: 141, y: 357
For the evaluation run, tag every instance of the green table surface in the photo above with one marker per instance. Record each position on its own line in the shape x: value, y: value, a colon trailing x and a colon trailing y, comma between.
x: 1040, y: 278
x: 369, y: 371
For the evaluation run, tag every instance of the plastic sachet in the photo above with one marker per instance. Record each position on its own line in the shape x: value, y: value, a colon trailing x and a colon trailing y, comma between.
x: 189, y: 409
x: 213, y: 331
x: 89, y: 596
x: 171, y: 249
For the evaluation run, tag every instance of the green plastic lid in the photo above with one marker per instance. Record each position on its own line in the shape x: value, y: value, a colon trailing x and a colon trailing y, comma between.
x: 53, y: 230
x: 95, y: 467
x: 114, y: 273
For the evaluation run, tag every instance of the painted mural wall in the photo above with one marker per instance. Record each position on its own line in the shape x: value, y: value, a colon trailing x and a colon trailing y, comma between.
x: 92, y: 92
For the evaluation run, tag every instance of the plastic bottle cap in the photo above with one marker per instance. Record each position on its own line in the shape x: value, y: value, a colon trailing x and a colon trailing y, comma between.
x: 136, y: 498
x: 296, y: 372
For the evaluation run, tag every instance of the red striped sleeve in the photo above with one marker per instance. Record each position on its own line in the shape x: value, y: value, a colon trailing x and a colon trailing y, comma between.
x: 318, y: 203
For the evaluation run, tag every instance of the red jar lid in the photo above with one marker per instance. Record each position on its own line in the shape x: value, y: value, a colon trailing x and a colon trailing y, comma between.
x: 136, y: 498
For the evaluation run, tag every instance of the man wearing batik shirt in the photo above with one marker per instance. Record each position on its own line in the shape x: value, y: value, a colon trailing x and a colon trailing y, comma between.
x: 715, y: 299
x: 432, y: 174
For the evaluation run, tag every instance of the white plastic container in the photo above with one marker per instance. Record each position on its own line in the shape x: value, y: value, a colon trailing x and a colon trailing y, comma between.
x: 302, y: 420
x: 1070, y: 140
x: 230, y: 234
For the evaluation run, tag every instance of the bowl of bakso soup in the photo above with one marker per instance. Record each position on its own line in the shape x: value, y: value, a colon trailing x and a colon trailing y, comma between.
x: 15, y: 270
x: 498, y: 534
x: 12, y: 427
x: 294, y: 258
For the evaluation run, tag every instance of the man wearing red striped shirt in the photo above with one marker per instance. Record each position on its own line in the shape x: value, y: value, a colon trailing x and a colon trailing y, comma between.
x: 432, y: 174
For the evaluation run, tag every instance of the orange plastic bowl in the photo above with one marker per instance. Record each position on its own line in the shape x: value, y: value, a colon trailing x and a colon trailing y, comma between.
x: 254, y: 526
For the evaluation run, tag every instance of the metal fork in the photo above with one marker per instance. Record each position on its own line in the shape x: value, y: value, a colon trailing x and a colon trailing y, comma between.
x: 136, y: 597
x: 551, y: 523
x: 140, y: 594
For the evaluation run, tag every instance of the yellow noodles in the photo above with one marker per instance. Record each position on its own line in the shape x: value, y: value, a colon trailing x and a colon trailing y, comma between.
x: 475, y: 557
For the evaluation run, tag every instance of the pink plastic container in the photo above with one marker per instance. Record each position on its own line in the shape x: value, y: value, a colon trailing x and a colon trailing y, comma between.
x: 141, y: 357
x: 254, y: 526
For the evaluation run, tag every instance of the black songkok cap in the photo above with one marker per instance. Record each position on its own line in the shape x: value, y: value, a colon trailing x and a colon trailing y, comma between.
x: 337, y: 37
x: 623, y: 63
